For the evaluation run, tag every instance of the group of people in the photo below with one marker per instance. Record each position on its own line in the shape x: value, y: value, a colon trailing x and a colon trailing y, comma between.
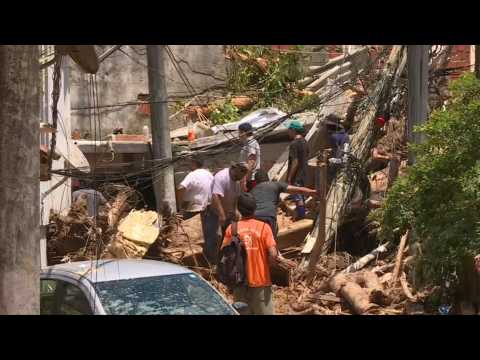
x: 243, y: 194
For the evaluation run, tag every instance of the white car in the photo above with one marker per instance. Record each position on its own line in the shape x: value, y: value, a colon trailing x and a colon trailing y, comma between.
x: 129, y: 287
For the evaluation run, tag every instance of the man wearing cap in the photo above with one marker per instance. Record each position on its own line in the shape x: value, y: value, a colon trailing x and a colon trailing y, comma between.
x: 261, y: 251
x: 267, y: 197
x: 297, y: 163
x: 336, y: 135
x: 337, y: 138
x: 250, y: 153
x: 225, y: 191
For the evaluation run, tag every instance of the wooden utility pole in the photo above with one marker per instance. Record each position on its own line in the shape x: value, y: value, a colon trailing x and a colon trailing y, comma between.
x: 163, y: 180
x: 321, y: 187
x: 417, y: 62
x: 477, y: 61
x: 19, y: 180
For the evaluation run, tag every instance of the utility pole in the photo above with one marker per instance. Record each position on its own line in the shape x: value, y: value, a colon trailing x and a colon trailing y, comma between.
x: 19, y: 180
x: 477, y: 61
x: 417, y: 62
x: 163, y: 180
x: 321, y: 187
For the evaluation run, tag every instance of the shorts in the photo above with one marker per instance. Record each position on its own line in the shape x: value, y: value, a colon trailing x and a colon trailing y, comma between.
x: 258, y: 299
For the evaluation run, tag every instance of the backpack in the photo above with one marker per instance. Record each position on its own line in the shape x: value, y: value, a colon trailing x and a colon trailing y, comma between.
x: 232, y: 266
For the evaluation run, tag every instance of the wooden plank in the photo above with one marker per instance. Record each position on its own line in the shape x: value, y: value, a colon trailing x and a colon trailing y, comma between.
x: 322, y: 80
x: 338, y: 60
x: 294, y: 234
x: 321, y: 186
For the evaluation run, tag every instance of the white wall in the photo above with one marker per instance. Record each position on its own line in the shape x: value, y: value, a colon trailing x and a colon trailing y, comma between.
x: 59, y: 199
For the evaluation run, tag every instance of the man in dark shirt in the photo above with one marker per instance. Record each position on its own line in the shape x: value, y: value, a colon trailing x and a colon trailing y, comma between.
x: 267, y: 197
x: 297, y: 163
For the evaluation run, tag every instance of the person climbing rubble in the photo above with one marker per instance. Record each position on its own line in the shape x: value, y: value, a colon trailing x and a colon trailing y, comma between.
x: 92, y: 197
x: 225, y: 191
x: 297, y: 163
x: 249, y: 153
x: 261, y: 252
x: 267, y: 197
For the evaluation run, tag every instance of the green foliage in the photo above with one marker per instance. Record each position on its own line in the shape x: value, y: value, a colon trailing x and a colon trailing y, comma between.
x: 225, y: 113
x: 274, y: 85
x: 440, y: 196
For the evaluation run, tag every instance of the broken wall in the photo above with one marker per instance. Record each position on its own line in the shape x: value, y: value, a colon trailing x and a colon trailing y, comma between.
x: 122, y: 77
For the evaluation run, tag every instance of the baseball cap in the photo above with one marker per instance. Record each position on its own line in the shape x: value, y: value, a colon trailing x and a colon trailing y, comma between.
x: 296, y: 125
x: 245, y: 127
x: 246, y: 204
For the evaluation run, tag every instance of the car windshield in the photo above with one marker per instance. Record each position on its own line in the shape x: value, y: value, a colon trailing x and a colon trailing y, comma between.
x: 180, y: 294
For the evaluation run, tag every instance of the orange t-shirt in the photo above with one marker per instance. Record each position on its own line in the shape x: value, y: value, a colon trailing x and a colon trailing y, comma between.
x: 258, y: 238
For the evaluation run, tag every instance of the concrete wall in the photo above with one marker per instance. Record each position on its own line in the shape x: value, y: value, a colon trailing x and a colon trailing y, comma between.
x: 122, y: 77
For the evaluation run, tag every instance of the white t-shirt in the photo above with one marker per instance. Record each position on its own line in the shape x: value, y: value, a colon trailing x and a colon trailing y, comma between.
x: 228, y: 190
x: 198, y: 190
x: 252, y: 147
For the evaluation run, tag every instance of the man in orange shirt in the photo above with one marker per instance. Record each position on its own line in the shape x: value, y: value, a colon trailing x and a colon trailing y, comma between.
x: 261, y: 250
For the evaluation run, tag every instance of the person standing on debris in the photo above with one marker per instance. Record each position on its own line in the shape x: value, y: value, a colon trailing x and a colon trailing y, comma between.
x: 337, y: 138
x: 225, y: 191
x: 194, y: 193
x: 92, y: 197
x: 297, y: 163
x: 250, y: 153
x: 336, y: 135
x: 261, y: 251
x: 267, y: 197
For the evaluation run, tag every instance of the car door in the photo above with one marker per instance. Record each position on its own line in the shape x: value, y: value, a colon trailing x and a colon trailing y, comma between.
x: 59, y: 297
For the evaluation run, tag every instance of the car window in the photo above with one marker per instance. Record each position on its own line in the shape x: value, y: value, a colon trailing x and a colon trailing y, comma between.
x: 180, y: 294
x: 47, y: 297
x: 72, y: 301
x: 62, y: 298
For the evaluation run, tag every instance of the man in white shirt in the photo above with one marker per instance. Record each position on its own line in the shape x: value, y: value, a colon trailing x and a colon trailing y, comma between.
x: 194, y: 193
x: 250, y: 154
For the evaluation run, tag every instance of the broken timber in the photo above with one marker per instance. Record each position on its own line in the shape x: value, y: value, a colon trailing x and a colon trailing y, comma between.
x: 342, y: 189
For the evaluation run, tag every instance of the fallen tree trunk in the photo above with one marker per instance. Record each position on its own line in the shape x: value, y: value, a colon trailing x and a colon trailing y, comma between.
x: 357, y: 297
x: 342, y: 189
x: 347, y: 288
x: 119, y: 206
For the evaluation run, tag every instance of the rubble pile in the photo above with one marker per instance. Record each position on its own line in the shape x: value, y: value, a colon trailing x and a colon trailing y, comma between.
x: 369, y: 291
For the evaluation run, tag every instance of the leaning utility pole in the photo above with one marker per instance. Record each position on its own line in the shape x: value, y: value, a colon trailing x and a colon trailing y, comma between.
x: 417, y: 62
x: 163, y: 180
x: 19, y: 180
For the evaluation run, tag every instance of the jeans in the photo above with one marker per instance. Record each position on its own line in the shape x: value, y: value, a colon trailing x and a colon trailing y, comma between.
x: 300, y: 201
x: 210, y: 235
x: 272, y: 221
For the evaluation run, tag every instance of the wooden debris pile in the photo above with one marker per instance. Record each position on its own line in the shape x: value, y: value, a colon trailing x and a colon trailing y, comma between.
x: 75, y: 236
x: 364, y: 287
